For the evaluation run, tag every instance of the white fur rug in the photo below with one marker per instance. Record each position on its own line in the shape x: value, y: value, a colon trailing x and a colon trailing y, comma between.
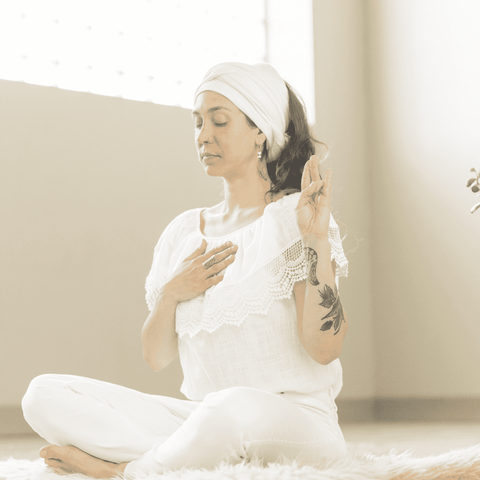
x: 463, y: 464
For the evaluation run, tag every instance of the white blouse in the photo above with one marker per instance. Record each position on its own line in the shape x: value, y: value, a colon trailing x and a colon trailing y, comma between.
x: 243, y: 331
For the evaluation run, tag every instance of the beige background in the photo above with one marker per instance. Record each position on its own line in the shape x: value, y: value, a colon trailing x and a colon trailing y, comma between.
x: 88, y: 183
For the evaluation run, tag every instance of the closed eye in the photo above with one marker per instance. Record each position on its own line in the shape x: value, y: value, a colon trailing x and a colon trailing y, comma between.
x: 199, y: 125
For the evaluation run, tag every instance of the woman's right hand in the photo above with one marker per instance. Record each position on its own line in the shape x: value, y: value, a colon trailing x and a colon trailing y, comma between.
x: 192, y: 278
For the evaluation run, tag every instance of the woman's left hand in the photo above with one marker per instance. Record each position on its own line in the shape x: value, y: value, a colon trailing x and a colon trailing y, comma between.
x: 313, y: 210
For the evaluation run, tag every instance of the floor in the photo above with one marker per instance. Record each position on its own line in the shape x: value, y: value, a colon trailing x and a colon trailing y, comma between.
x: 378, y: 438
x: 425, y: 438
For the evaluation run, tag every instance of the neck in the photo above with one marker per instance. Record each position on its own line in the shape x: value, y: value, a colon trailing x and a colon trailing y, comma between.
x: 245, y: 193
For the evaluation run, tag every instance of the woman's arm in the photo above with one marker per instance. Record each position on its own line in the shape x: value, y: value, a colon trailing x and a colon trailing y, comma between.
x: 321, y: 321
x: 193, y: 277
x: 159, y: 338
x: 320, y: 315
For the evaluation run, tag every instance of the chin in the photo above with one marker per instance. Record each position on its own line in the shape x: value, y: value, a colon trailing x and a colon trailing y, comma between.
x: 212, y: 170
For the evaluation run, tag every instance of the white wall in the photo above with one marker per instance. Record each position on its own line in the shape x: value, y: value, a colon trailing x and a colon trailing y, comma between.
x: 398, y: 101
x: 424, y: 64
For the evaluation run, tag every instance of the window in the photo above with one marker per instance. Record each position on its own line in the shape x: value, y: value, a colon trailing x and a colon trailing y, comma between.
x: 138, y: 49
x: 150, y: 50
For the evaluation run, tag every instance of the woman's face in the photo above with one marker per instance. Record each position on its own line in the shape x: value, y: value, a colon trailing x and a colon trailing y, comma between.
x: 227, y: 146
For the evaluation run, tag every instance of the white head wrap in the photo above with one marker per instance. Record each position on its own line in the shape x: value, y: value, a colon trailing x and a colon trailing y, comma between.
x: 259, y: 92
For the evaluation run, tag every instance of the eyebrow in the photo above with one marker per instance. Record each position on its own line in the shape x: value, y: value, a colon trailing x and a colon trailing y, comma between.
x: 211, y: 110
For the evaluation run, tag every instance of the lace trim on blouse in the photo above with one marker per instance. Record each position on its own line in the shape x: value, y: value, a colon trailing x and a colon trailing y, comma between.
x: 254, y: 295
x: 276, y: 237
x: 337, y: 252
x: 152, y: 289
x: 231, y: 304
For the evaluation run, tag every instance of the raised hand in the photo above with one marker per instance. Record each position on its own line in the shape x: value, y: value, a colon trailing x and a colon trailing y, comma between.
x: 313, y: 209
x: 200, y: 271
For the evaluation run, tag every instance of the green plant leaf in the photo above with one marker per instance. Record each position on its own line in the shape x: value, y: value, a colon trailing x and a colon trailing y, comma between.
x: 470, y: 182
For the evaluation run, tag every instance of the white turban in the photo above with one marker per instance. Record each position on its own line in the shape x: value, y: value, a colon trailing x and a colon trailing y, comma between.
x: 259, y: 92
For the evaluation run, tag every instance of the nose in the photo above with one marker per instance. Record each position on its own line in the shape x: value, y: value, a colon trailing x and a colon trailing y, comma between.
x: 203, y: 135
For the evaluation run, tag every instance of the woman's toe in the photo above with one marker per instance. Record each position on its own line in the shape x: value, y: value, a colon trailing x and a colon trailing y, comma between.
x: 45, y: 452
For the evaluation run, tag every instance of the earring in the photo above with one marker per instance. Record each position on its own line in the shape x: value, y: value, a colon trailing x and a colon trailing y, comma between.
x: 259, y: 154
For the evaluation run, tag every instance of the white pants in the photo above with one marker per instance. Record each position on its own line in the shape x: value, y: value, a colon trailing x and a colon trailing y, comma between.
x: 157, y: 433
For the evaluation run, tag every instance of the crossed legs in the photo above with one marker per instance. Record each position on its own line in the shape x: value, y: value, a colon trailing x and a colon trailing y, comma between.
x: 155, y: 433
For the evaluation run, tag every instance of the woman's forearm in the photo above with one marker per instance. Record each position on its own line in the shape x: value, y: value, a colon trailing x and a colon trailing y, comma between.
x: 323, y: 325
x: 159, y: 338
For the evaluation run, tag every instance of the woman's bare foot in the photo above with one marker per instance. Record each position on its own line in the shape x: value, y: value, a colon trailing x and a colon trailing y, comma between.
x: 66, y: 460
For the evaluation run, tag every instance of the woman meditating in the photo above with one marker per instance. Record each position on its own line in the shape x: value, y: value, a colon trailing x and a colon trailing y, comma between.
x: 245, y: 292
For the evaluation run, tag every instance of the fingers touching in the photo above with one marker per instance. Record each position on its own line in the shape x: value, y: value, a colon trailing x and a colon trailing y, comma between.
x: 311, y: 172
x: 219, y: 258
x: 203, y: 269
x: 216, y: 261
x: 327, y: 184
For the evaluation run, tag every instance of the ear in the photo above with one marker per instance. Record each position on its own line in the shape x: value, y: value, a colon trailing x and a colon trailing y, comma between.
x: 261, y: 138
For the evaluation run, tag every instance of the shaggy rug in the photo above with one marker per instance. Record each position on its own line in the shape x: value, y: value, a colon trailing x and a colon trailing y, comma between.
x: 462, y: 464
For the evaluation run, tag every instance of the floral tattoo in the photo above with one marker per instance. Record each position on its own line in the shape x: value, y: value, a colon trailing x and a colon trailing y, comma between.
x: 331, y: 299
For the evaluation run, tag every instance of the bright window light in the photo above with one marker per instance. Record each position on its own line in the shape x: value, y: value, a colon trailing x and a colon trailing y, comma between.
x: 147, y: 50
x: 152, y: 50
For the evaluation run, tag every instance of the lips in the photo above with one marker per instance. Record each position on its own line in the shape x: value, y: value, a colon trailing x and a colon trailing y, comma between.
x: 208, y: 155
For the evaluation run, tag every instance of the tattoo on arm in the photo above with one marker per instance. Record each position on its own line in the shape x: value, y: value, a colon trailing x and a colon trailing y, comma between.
x: 331, y: 299
x: 312, y: 260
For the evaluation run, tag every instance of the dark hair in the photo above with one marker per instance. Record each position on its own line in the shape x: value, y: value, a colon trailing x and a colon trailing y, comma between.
x: 286, y: 171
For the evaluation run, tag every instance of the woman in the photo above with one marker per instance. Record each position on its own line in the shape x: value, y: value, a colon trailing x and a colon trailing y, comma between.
x: 261, y: 365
